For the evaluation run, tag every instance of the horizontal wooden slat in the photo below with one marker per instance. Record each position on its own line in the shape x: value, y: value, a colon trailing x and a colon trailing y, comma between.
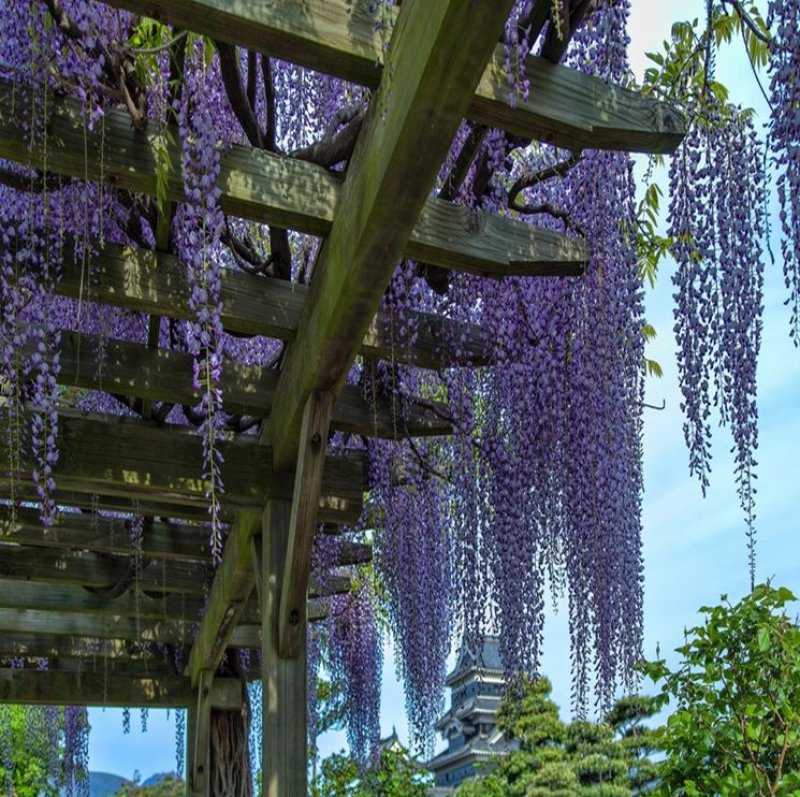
x: 87, y: 531
x: 101, y: 534
x: 176, y: 579
x: 264, y: 187
x: 55, y: 624
x: 340, y: 37
x: 120, y: 456
x: 100, y: 571
x: 32, y: 687
x: 154, y: 283
x: 53, y: 595
x: 164, y: 375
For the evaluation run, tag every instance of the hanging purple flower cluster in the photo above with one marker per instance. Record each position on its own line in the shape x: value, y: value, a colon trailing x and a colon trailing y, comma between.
x: 198, y: 230
x: 355, y: 660
x: 76, y: 751
x: 784, y: 67
x: 717, y: 223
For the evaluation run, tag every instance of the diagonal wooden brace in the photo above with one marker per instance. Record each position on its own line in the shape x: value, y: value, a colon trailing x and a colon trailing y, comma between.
x: 303, y: 522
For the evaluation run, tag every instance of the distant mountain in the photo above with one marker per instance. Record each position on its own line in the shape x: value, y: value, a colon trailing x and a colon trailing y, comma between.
x: 104, y: 784
x: 160, y: 777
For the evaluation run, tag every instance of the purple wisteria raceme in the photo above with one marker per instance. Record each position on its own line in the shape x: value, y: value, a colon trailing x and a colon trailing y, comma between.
x: 784, y: 68
x: 717, y: 223
x: 198, y: 230
x: 355, y: 657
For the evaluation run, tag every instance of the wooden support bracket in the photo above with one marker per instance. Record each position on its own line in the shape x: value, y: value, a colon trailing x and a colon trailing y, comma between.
x: 303, y: 522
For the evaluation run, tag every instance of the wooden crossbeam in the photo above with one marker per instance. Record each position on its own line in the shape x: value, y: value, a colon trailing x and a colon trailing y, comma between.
x: 289, y: 193
x: 340, y: 37
x: 233, y: 584
x: 67, y: 597
x: 95, y: 655
x: 437, y: 56
x: 154, y: 283
x: 61, y: 623
x: 99, y: 571
x: 303, y: 522
x: 106, y: 572
x: 110, y: 455
x: 101, y: 534
x: 32, y: 687
x: 133, y: 369
x: 95, y: 667
x: 138, y: 505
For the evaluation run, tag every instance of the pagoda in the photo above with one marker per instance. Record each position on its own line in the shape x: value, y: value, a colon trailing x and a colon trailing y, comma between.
x: 470, y: 725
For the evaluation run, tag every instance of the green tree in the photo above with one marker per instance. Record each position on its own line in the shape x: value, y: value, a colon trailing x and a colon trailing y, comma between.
x: 170, y: 786
x: 28, y: 733
x: 558, y: 759
x: 396, y: 775
x: 736, y: 725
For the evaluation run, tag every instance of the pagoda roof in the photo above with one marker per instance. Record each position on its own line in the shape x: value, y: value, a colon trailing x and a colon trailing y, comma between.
x: 487, y: 659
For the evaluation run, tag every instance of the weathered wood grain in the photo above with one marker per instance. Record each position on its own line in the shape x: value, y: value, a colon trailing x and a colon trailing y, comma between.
x: 110, y: 455
x: 32, y: 687
x: 303, y: 523
x: 340, y: 37
x: 233, y: 584
x: 285, y: 739
x: 101, y: 534
x: 438, y: 52
x: 133, y: 369
x: 86, y: 531
x: 281, y: 191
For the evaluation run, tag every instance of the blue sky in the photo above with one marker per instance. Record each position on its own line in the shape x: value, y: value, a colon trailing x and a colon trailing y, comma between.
x: 694, y: 548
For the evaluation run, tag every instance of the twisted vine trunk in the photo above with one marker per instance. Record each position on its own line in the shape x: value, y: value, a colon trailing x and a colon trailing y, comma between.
x: 231, y: 768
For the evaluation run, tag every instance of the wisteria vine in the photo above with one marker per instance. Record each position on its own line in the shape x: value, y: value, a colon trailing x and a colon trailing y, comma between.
x: 540, y: 487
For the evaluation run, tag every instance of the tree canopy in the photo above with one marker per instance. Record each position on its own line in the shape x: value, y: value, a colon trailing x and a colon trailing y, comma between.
x: 734, y: 726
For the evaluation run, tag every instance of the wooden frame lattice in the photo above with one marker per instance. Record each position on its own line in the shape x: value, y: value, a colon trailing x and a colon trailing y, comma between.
x: 64, y: 586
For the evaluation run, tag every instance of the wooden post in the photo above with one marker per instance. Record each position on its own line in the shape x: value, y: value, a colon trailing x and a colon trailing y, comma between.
x: 198, y: 782
x: 285, y: 753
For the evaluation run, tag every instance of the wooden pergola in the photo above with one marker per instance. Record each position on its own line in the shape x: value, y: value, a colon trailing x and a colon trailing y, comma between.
x: 64, y: 586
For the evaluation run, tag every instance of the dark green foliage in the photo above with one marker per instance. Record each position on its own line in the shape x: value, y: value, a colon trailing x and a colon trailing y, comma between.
x: 579, y: 759
x: 735, y: 729
x: 397, y: 775
x: 26, y: 730
x: 169, y: 786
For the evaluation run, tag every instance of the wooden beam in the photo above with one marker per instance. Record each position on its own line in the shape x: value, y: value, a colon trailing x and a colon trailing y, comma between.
x: 335, y: 515
x: 303, y: 523
x: 341, y: 37
x: 99, y: 571
x: 285, y: 742
x: 21, y: 526
x: 32, y: 687
x: 52, y: 623
x: 438, y: 51
x: 103, y: 572
x: 233, y: 583
x: 286, y: 192
x: 147, y: 506
x: 61, y: 597
x: 85, y: 531
x: 148, y: 282
x: 153, y: 374
x: 199, y: 772
x: 111, y: 455
x: 102, y: 534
